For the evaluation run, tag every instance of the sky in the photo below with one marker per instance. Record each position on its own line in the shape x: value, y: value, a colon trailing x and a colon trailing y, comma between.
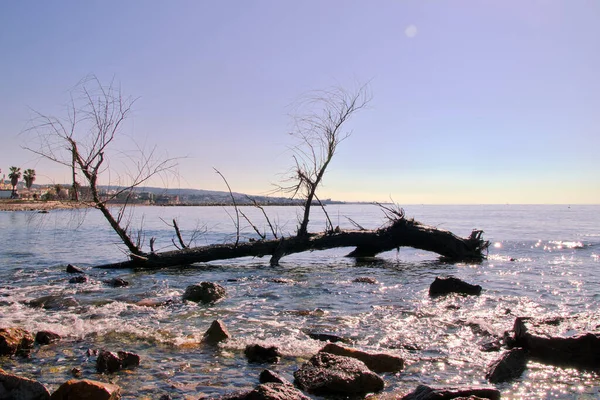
x: 473, y: 102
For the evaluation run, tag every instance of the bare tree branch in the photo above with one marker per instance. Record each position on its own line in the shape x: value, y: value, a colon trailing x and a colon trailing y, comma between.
x: 319, y: 120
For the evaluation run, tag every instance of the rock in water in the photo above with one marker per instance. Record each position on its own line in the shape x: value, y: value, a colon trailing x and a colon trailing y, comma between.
x: 376, y: 362
x: 71, y: 269
x: 508, y: 367
x: 423, y: 392
x: 46, y: 337
x: 110, y: 362
x: 327, y: 373
x: 79, y: 279
x: 275, y: 391
x: 16, y: 387
x: 216, y: 333
x: 443, y: 286
x: 261, y: 354
x: 117, y: 282
x: 86, y: 389
x: 54, y: 302
x: 204, y: 292
x: 268, y: 376
x: 13, y: 340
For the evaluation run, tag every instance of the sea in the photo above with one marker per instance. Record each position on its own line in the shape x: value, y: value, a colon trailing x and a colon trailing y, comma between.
x: 543, y: 263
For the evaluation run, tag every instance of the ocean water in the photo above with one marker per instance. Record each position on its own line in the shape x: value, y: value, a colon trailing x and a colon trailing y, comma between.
x: 543, y: 263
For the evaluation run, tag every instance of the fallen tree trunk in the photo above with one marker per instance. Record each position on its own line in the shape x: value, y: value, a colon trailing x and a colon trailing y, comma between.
x: 368, y: 243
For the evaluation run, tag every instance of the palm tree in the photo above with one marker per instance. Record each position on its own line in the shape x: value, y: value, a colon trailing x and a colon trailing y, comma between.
x: 29, y: 177
x: 15, y: 174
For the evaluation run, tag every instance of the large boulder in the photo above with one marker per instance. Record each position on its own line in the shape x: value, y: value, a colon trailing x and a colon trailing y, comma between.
x: 16, y: 387
x: 423, y: 392
x: 13, y: 340
x: 204, y: 292
x: 216, y: 333
x: 86, y: 389
x: 110, y: 362
x: 444, y: 286
x: 257, y: 353
x: 376, y: 362
x: 508, y: 367
x: 327, y: 373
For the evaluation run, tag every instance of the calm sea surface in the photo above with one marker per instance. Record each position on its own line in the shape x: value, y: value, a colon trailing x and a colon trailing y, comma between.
x: 543, y: 263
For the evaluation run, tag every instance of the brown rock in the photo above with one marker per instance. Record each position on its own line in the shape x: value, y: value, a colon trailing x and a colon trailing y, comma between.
x: 443, y: 286
x: 268, y: 376
x: 376, y: 362
x: 204, y: 292
x: 110, y: 362
x: 327, y: 373
x: 423, y: 392
x: 275, y: 391
x: 86, y: 389
x: 216, y: 333
x: 366, y: 279
x: 508, y: 367
x: 46, y: 337
x: 16, y: 387
x: 261, y: 354
x: 13, y: 340
x: 72, y: 269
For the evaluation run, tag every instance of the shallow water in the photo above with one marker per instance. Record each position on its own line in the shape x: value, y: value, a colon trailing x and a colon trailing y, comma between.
x: 542, y: 264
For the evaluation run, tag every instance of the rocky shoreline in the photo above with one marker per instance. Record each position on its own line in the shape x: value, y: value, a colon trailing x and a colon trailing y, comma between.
x: 335, y: 371
x: 43, y: 206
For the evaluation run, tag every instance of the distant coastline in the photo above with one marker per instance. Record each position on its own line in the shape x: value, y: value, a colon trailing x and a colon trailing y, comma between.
x: 40, y: 205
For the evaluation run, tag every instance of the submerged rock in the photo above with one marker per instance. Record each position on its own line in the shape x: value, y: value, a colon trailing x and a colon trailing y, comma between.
x: 443, y: 286
x: 327, y: 373
x: 54, y: 302
x: 216, y: 333
x: 366, y: 279
x: 16, y: 387
x: 326, y: 337
x: 508, y: 367
x: 47, y: 337
x: 116, y: 282
x: 376, y: 362
x: 110, y: 362
x: 79, y: 279
x: 257, y: 353
x: 72, y: 269
x: 204, y: 292
x: 86, y: 389
x: 13, y: 340
x: 423, y: 392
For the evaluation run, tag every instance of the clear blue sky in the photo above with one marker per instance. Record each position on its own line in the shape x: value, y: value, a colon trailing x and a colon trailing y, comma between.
x: 473, y: 101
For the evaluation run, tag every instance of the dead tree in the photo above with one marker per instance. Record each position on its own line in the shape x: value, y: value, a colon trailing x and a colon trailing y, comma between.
x: 399, y: 232
x: 319, y: 123
x: 82, y: 141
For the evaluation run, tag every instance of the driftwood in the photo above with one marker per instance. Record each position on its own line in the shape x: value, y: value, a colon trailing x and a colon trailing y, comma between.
x: 401, y: 232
